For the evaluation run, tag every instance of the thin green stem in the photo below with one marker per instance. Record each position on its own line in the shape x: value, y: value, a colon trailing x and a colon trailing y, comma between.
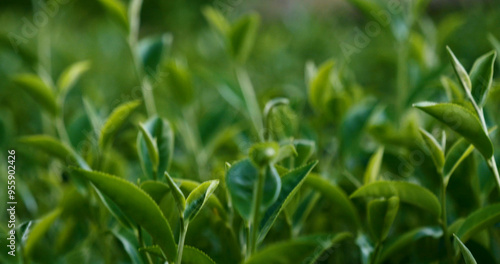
x: 182, y: 238
x: 444, y: 223
x: 493, y: 167
x: 257, y: 200
x: 141, y: 243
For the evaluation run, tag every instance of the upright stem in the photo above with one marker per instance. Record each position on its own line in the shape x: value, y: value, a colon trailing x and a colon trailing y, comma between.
x: 182, y: 238
x: 444, y: 223
x: 493, y: 167
x: 254, y: 224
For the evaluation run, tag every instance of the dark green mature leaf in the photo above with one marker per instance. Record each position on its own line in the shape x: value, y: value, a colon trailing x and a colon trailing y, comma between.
x: 373, y: 169
x: 435, y: 148
x: 481, y: 76
x: 336, y: 195
x: 39, y: 230
x: 381, y: 215
x: 151, y: 50
x: 241, y: 179
x: 242, y: 36
x: 216, y: 20
x: 320, y: 87
x: 179, y: 198
x: 462, y: 121
x: 469, y: 259
x: 461, y: 73
x: 162, y: 133
x: 406, y: 240
x: 192, y: 255
x: 157, y: 190
x: 198, y: 197
x: 290, y: 184
x: 39, y: 91
x: 129, y: 242
x: 407, y: 192
x: 115, y: 120
x: 304, y: 250
x: 479, y: 220
x: 138, y: 206
x: 70, y: 75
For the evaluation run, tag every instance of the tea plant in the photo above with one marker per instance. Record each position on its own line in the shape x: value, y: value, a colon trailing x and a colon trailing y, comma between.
x: 205, y: 162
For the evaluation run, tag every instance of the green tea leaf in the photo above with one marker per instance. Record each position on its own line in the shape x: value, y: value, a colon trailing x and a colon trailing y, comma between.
x: 373, y: 169
x: 457, y: 153
x: 336, y: 195
x: 151, y: 50
x: 157, y: 190
x: 242, y: 36
x: 117, y: 10
x: 435, y: 148
x: 241, y: 179
x: 469, y: 259
x: 320, y: 86
x: 70, y: 76
x: 381, y: 215
x: 137, y: 205
x: 479, y: 220
x: 187, y: 186
x: 216, y: 20
x: 115, y: 120
x: 151, y: 146
x: 301, y: 250
x: 179, y: 82
x: 154, y: 250
x: 179, y: 198
x: 39, y: 230
x: 54, y: 147
x: 461, y: 73
x: 160, y: 130
x: 192, y: 255
x: 198, y: 197
x: 452, y: 90
x: 462, y: 121
x: 38, y: 90
x: 129, y: 242
x: 290, y: 185
x: 406, y: 240
x: 481, y: 76
x: 305, y: 149
x: 407, y: 192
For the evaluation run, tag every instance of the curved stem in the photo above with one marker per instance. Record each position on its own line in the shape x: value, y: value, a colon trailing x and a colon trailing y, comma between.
x: 182, y: 238
x: 492, y: 164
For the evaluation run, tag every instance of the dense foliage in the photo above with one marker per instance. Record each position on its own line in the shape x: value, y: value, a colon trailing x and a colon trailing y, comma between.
x: 187, y: 132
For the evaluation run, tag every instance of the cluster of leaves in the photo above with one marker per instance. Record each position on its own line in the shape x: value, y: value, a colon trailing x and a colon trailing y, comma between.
x: 323, y: 180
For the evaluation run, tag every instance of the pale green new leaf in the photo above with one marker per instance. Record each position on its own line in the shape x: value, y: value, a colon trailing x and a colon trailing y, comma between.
x: 469, y: 259
x: 320, y: 86
x: 39, y: 230
x: 381, y: 215
x: 70, y: 75
x: 462, y: 121
x: 479, y: 220
x: 373, y: 169
x: 304, y: 250
x: 138, y: 206
x: 179, y: 198
x: 117, y: 10
x: 290, y: 184
x: 114, y: 122
x: 481, y: 76
x: 460, y: 71
x: 151, y: 146
x: 38, y: 90
x: 198, y: 197
x: 216, y: 20
x: 407, y: 192
x: 242, y: 36
x: 435, y: 149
